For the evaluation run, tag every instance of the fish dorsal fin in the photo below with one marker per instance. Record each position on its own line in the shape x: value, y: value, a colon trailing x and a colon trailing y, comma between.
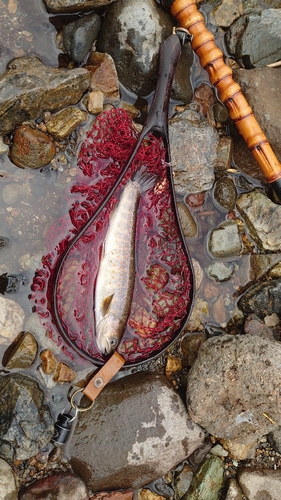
x: 106, y: 304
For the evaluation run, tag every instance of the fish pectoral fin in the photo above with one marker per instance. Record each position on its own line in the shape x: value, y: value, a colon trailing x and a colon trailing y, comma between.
x: 106, y: 304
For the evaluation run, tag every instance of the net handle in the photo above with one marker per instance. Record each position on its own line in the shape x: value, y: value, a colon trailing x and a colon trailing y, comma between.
x: 230, y: 93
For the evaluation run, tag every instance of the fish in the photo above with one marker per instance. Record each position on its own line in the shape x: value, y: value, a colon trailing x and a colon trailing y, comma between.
x: 116, y: 273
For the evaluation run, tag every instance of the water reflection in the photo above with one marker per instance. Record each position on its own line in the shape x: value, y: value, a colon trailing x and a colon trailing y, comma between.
x: 25, y: 30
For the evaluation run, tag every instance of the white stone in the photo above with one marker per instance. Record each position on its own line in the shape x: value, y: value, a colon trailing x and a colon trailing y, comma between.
x: 11, y: 320
x: 261, y: 484
x: 8, y: 489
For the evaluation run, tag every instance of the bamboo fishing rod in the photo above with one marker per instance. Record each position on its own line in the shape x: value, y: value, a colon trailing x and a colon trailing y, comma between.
x: 230, y: 93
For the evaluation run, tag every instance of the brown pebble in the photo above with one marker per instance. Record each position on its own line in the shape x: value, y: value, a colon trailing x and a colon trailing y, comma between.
x: 21, y: 353
x: 63, y: 373
x: 173, y: 365
x: 210, y: 290
x: 219, y: 312
x: 55, y: 455
x: 48, y: 361
x: 113, y: 495
x: 195, y: 201
x: 31, y: 148
x: 39, y: 466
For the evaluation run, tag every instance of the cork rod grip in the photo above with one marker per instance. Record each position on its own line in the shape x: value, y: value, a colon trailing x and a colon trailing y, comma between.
x: 230, y: 93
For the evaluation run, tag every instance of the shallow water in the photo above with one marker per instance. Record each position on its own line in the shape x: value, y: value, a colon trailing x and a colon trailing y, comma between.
x: 26, y: 222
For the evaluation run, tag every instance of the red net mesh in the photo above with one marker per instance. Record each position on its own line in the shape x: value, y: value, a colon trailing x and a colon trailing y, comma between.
x: 162, y: 291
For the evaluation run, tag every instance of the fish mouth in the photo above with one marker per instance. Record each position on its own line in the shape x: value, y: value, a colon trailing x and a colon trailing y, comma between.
x: 107, y: 345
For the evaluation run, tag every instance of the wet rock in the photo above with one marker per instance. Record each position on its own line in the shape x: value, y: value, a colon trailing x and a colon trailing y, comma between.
x: 243, y: 372
x: 13, y: 194
x: 218, y: 311
x: 4, y: 148
x: 221, y: 115
x: 95, y: 102
x: 275, y: 272
x: 226, y: 13
x: 104, y: 76
x: 262, y: 299
x: 245, y: 38
x: 151, y: 434
x: 146, y: 494
x: 63, y: 373
x: 271, y: 320
x: 198, y: 273
x: 28, y: 88
x: 193, y: 159
x: 211, y: 290
x: 57, y: 6
x: 62, y: 486
x: 260, y: 483
x: 255, y: 326
x: 263, y: 219
x: 48, y: 361
x: 205, y: 96
x: 10, y: 283
x: 225, y: 241
x: 225, y: 193
x: 3, y: 241
x: 26, y: 422
x: 274, y: 439
x: 238, y: 450
x: 260, y: 264
x: 190, y: 345
x: 31, y: 148
x: 218, y: 451
x: 259, y: 87
x: 221, y: 271
x: 224, y: 153
x: 182, y: 481
x: 23, y: 353
x: 8, y: 489
x: 113, y: 495
x: 233, y: 491
x: 187, y: 221
x: 195, y: 201
x: 199, y: 314
x: 132, y: 33
x: 11, y: 320
x: 64, y: 122
x: 79, y: 36
x: 208, y: 480
x: 173, y: 365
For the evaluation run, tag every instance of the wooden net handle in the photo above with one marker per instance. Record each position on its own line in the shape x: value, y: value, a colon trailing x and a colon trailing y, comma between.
x: 230, y: 93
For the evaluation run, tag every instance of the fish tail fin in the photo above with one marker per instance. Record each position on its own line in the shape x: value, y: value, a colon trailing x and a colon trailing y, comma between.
x: 145, y: 179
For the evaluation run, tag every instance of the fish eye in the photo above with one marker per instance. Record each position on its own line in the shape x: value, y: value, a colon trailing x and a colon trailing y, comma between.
x: 113, y: 342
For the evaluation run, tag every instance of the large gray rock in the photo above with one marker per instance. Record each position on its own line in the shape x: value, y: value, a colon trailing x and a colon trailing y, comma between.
x: 28, y: 87
x: 132, y: 33
x: 26, y: 424
x: 61, y: 486
x: 262, y: 89
x: 260, y: 484
x: 193, y: 143
x: 57, y: 6
x: 79, y: 36
x: 263, y: 219
x: 262, y: 298
x: 136, y: 432
x: 246, y: 37
x: 233, y: 387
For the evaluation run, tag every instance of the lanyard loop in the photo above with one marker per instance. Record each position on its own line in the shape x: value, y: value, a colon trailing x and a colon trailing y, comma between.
x: 98, y: 382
